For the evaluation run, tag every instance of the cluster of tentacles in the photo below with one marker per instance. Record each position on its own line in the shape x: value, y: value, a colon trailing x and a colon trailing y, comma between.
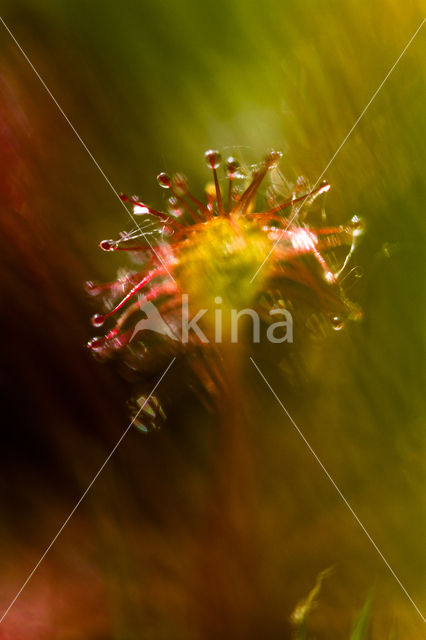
x: 224, y: 250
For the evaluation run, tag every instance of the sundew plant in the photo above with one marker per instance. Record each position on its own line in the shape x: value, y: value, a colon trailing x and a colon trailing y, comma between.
x: 240, y: 251
x: 234, y: 255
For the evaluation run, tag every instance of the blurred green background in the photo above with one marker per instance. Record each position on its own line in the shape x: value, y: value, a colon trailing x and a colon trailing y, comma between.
x: 149, y: 86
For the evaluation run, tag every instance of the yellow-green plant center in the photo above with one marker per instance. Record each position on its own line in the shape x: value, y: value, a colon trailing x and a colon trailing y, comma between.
x: 220, y: 259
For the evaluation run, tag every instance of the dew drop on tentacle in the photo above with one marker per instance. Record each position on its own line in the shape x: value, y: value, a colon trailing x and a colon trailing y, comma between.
x: 108, y: 245
x: 337, y: 323
x: 96, y: 343
x: 358, y: 225
x: 164, y: 180
x: 213, y: 158
x: 232, y: 166
x: 140, y: 209
x: 323, y: 188
x: 98, y: 320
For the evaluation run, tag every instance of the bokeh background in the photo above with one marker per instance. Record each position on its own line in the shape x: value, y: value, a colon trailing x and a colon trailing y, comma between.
x: 151, y: 553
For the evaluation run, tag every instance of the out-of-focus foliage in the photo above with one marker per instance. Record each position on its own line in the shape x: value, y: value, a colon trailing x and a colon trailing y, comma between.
x: 301, y: 614
x: 360, y: 629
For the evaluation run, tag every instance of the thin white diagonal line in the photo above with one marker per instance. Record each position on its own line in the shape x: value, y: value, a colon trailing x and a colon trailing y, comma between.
x: 338, y: 490
x: 85, y: 146
x: 92, y: 482
x: 343, y: 142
